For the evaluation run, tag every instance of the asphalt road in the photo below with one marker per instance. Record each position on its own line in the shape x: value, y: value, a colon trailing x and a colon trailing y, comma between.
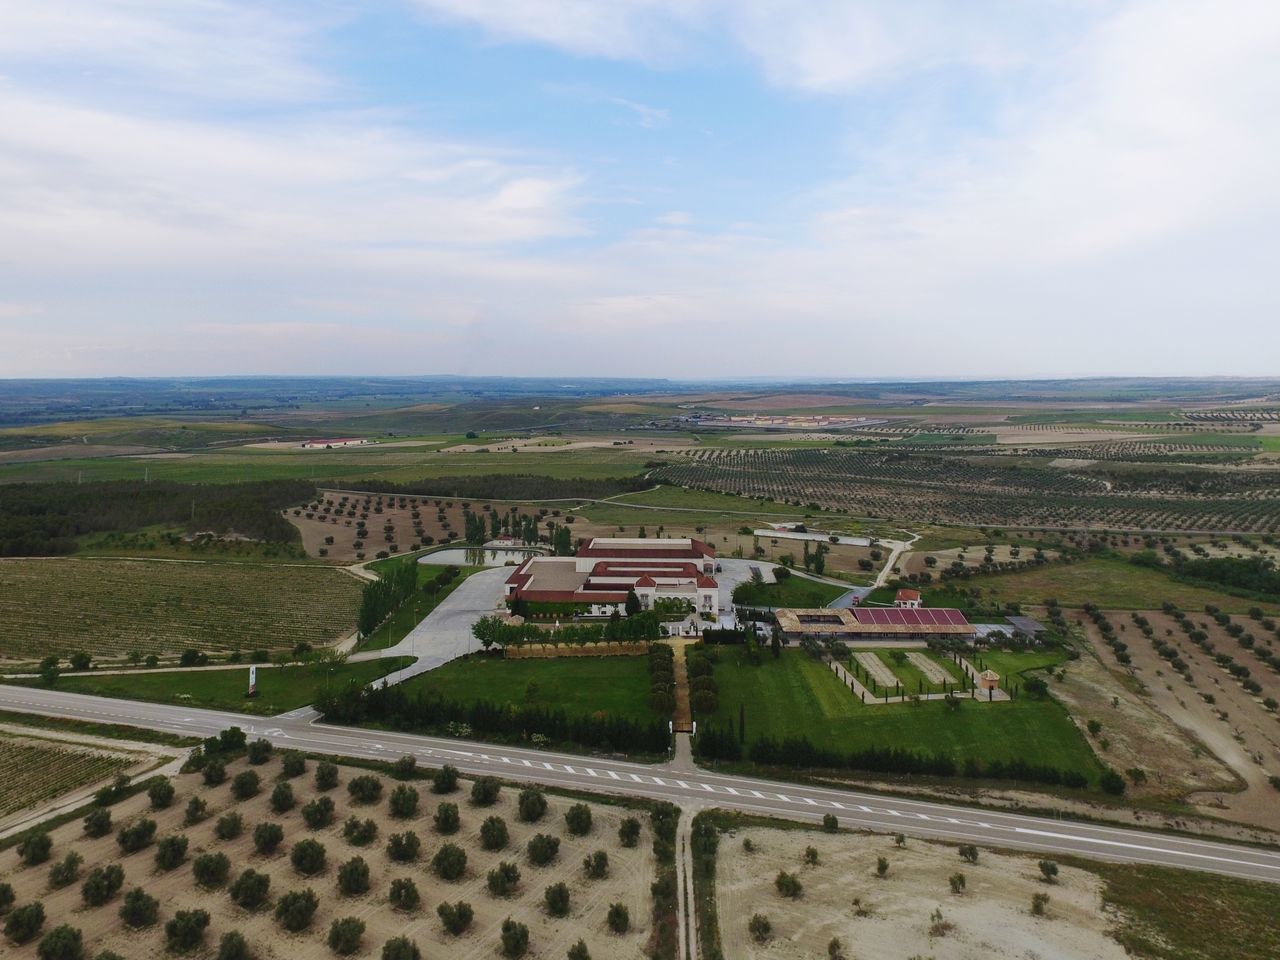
x: 691, y: 788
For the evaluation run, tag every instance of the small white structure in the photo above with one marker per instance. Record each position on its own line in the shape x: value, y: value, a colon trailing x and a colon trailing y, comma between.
x: 907, y: 599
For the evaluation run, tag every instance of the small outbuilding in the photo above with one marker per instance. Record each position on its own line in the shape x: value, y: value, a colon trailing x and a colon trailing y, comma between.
x: 988, y: 680
x: 907, y: 599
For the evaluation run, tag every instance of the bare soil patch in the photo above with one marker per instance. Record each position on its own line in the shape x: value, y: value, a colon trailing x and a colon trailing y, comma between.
x: 911, y: 911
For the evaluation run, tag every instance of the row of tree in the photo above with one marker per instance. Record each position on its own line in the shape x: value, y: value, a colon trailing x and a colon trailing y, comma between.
x: 380, y: 598
x: 424, y: 712
x: 44, y: 519
x: 494, y: 631
x: 514, y: 486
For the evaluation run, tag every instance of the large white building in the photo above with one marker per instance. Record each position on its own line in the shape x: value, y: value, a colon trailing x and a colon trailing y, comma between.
x: 604, y: 569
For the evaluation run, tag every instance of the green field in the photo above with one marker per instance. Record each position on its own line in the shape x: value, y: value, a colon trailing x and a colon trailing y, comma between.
x: 1109, y: 582
x: 577, y: 685
x: 794, y: 591
x: 279, y: 688
x: 114, y: 607
x: 797, y: 696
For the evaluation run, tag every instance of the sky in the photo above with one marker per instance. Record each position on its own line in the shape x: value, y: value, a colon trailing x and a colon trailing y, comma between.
x: 682, y: 188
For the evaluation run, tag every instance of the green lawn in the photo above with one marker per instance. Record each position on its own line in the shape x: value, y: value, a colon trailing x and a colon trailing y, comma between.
x: 797, y: 696
x: 794, y: 591
x: 1111, y: 583
x: 578, y: 685
x: 279, y: 688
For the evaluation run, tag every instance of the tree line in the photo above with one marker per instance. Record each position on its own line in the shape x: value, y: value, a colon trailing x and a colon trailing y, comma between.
x: 392, y: 707
x: 380, y: 598
x: 515, y: 486
x: 44, y: 519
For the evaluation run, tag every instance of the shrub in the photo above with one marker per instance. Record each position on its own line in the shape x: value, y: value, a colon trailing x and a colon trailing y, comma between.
x: 515, y: 938
x: 259, y: 752
x: 958, y: 883
x: 503, y: 878
x: 788, y: 884
x: 233, y: 946
x: 113, y: 792
x: 365, y: 789
x: 578, y: 951
x: 542, y: 849
x: 246, y: 784
x: 882, y: 867
x: 345, y: 934
x: 171, y: 852
x: 596, y: 865
x: 161, y: 794
x: 446, y: 819
x: 556, y: 899
x: 23, y: 923
x: 619, y: 918
x: 295, y: 909
x: 449, y: 862
x: 97, y: 823
x: 34, y: 848
x: 1049, y: 871
x: 139, y: 908
x: 294, y: 765
x: 484, y: 791
x: 532, y: 805
x: 629, y: 832
x: 759, y: 927
x: 578, y: 819
x: 359, y: 832
x: 326, y: 775
x: 308, y: 857
x: 403, y: 847
x: 353, y: 877
x: 6, y: 897
x: 456, y: 917
x: 444, y: 780
x: 214, y: 773
x: 211, y: 869
x: 318, y: 813
x: 186, y: 930
x: 968, y: 853
x: 493, y: 833
x: 229, y: 826
x: 66, y: 871
x: 61, y: 943
x: 400, y: 948
x: 811, y: 856
x: 282, y: 798
x: 405, y: 767
x: 404, y: 894
x: 249, y: 890
x: 267, y: 837
x: 1039, y: 903
x: 830, y: 823
x: 136, y: 835
x: 404, y: 802
x: 101, y: 884
x: 197, y: 810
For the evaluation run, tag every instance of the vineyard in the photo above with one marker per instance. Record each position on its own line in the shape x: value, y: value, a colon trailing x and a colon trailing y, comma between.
x: 115, y: 607
x: 34, y: 770
x: 979, y: 491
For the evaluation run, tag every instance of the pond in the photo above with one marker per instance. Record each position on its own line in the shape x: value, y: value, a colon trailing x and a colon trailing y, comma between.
x: 476, y: 557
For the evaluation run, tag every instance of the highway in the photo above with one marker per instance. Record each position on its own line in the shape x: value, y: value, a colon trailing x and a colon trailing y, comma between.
x: 687, y: 786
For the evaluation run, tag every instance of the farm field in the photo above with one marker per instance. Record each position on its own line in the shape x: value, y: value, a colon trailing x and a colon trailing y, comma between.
x: 983, y: 490
x: 1152, y: 911
x: 34, y: 770
x: 279, y: 688
x: 1108, y: 582
x: 113, y: 607
x: 629, y: 874
x: 797, y: 696
x: 577, y: 685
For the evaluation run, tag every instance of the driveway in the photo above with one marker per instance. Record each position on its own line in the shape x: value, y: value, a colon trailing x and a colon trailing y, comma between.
x: 445, y: 633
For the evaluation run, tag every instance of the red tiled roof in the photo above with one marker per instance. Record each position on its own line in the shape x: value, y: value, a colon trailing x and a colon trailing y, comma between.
x: 919, y: 617
x: 646, y: 581
x: 707, y: 582
x: 905, y: 594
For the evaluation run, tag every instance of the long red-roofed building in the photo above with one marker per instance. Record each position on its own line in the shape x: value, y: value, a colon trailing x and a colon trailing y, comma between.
x: 604, y: 569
